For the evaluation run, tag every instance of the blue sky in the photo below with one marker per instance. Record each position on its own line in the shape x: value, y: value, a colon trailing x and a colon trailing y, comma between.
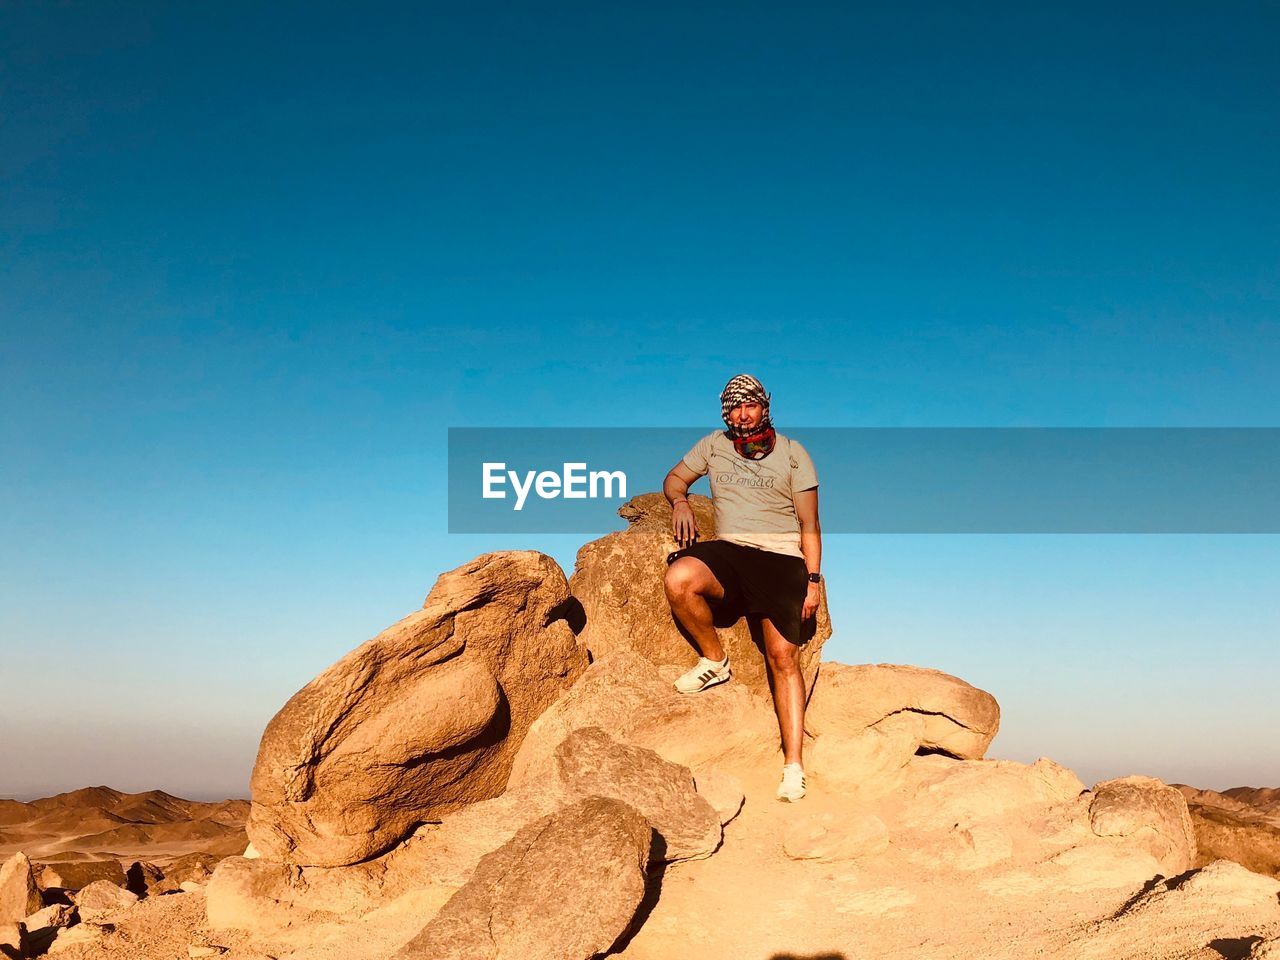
x: 257, y: 261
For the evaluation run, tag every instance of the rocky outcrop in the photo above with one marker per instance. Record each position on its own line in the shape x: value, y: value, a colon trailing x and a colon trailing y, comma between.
x: 954, y: 717
x: 101, y: 898
x: 19, y: 895
x: 1231, y: 826
x: 634, y: 702
x: 868, y: 720
x: 72, y: 875
x: 1150, y: 813
x: 1215, y: 911
x: 565, y: 887
x: 424, y: 718
x: 619, y: 581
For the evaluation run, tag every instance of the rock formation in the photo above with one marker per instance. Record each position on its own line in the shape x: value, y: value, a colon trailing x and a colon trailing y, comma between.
x: 619, y: 581
x: 424, y: 718
x: 616, y: 815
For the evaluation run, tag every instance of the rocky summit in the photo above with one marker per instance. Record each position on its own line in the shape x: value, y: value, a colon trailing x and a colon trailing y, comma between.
x: 508, y: 772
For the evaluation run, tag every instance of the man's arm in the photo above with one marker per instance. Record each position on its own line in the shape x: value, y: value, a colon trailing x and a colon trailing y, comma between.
x: 676, y: 488
x: 806, y: 502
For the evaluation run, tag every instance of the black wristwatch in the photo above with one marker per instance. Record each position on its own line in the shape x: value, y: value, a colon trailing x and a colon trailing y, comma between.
x: 815, y: 578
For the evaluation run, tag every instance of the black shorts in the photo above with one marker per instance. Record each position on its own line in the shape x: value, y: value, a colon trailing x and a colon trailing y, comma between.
x: 758, y: 581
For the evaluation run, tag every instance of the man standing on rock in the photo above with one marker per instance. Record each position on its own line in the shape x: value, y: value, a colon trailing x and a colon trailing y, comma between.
x: 764, y: 561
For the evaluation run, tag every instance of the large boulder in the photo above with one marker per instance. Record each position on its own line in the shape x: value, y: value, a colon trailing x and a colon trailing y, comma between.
x: 263, y: 895
x: 619, y: 581
x: 592, y: 763
x: 102, y: 898
x: 1150, y: 813
x: 19, y: 895
x: 71, y: 875
x: 565, y: 887
x: 868, y: 720
x: 424, y: 718
x: 955, y: 717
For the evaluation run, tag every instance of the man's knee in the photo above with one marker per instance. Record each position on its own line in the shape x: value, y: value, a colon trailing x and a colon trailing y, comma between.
x: 686, y: 577
x: 783, y: 656
x: 681, y: 578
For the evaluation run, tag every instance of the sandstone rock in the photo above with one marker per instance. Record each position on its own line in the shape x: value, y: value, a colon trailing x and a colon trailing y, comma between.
x: 1236, y: 832
x: 950, y: 715
x: 43, y: 926
x: 626, y: 696
x: 871, y: 757
x: 102, y: 898
x: 72, y: 875
x: 825, y: 836
x: 1151, y: 813
x: 619, y: 581
x: 13, y: 940
x: 723, y: 791
x: 190, y: 886
x: 564, y: 888
x: 593, y: 764
x: 1222, y: 905
x: 82, y: 934
x: 422, y: 719
x: 147, y: 880
x: 248, y: 894
x: 195, y: 867
x: 939, y: 792
x: 19, y: 895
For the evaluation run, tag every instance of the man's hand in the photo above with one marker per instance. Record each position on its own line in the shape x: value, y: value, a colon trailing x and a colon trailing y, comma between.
x: 810, y: 608
x: 683, y: 525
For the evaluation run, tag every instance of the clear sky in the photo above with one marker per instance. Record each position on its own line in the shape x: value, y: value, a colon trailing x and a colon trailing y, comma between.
x: 257, y: 258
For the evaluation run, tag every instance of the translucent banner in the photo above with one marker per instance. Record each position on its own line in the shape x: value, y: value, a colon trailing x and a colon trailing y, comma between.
x: 892, y: 480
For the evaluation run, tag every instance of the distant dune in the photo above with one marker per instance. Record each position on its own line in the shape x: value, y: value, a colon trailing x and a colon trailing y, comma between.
x: 101, y: 823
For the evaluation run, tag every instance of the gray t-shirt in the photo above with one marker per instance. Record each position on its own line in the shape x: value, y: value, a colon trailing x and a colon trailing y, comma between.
x: 754, y: 499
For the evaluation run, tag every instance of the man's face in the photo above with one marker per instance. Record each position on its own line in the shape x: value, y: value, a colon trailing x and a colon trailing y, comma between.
x: 747, y: 414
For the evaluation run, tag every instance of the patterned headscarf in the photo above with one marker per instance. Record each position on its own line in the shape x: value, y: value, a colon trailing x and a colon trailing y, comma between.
x: 741, y: 389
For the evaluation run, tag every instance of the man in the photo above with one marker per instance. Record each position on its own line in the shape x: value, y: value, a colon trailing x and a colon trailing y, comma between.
x: 764, y: 561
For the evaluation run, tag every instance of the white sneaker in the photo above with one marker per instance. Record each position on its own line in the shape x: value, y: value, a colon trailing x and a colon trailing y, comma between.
x: 791, y: 788
x: 706, y: 673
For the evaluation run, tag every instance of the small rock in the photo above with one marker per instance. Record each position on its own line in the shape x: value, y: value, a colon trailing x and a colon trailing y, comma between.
x: 194, y: 866
x: 81, y: 933
x: 13, y: 939
x: 19, y: 895
x: 147, y: 880
x: 103, y: 897
x: 43, y: 926
x: 190, y: 886
x: 723, y: 791
x: 826, y: 837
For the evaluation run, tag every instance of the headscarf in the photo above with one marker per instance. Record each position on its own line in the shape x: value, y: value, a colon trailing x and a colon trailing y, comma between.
x: 751, y: 442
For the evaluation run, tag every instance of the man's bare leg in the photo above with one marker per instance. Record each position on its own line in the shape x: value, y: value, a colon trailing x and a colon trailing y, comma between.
x: 786, y: 682
x: 691, y: 588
